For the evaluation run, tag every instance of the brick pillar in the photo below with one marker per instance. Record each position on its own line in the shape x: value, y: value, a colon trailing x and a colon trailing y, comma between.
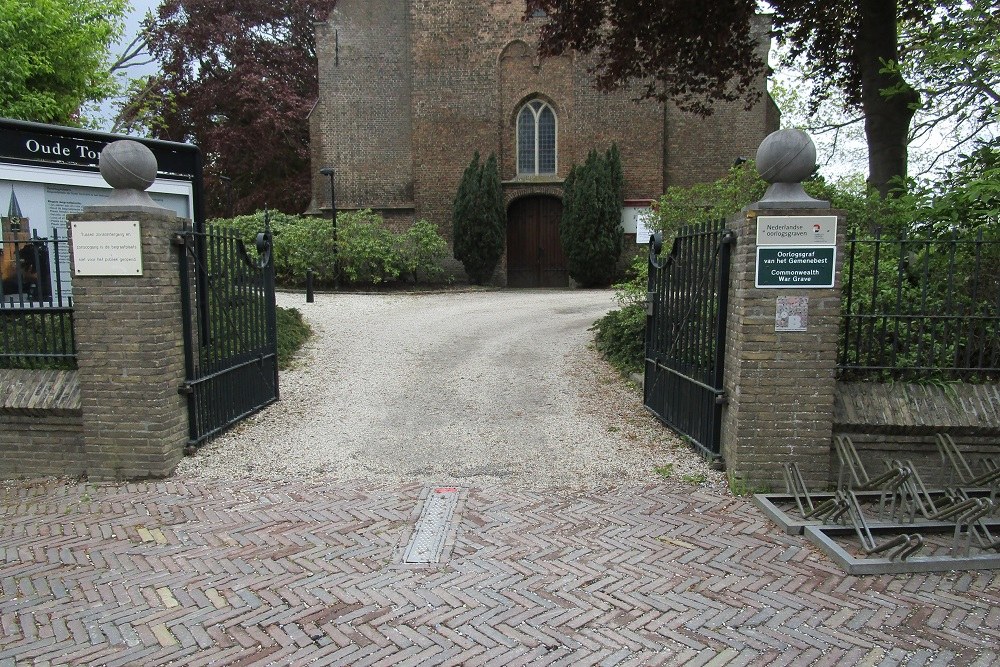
x: 130, y: 356
x: 779, y: 384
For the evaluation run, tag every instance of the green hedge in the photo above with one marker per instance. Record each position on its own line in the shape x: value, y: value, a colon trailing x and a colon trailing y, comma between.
x: 369, y: 252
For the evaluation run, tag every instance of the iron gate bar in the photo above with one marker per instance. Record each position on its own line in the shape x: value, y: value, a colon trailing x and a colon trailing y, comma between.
x: 230, y: 330
x: 687, y: 299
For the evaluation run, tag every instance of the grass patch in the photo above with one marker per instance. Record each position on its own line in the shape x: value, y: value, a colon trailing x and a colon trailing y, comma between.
x: 739, y: 486
x: 293, y: 332
x: 664, y: 471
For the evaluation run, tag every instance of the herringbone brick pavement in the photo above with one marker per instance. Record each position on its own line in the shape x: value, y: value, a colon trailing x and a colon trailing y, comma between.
x: 244, y: 573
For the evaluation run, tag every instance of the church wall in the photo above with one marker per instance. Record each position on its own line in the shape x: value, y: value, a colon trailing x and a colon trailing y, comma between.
x: 474, y: 65
x: 702, y: 149
x: 637, y: 127
x: 364, y: 105
x: 422, y: 84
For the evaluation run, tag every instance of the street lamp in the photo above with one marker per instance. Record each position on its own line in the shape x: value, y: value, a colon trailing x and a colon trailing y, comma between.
x: 328, y: 171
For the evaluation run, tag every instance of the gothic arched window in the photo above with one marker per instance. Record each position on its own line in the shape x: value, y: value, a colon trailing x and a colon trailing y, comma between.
x: 536, y: 139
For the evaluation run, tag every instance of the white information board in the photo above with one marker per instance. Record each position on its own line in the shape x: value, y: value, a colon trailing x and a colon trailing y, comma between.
x: 107, y: 248
x: 794, y: 230
x: 637, y: 220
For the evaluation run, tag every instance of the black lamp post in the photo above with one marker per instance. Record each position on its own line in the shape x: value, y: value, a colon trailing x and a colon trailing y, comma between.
x: 328, y: 171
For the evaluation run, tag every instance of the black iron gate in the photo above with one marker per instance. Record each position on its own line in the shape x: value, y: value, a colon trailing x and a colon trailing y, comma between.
x: 686, y: 332
x: 230, y: 332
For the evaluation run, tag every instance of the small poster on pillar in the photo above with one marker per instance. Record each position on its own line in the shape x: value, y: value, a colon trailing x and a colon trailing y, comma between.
x: 791, y: 313
x: 106, y: 248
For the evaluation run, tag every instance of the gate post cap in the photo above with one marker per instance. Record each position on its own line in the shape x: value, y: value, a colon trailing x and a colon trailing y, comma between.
x: 784, y: 159
x: 127, y: 165
x: 786, y: 156
x: 129, y: 168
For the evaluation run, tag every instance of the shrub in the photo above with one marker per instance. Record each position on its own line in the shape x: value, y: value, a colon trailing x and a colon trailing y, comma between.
x: 684, y: 205
x: 420, y: 250
x: 369, y: 253
x: 590, y: 230
x: 293, y: 332
x: 366, y: 249
x: 621, y: 338
x: 479, y: 220
x: 300, y: 243
x: 621, y: 333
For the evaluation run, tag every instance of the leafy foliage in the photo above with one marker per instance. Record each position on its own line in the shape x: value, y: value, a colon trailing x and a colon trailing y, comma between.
x: 479, y: 220
x: 968, y: 198
x: 620, y: 338
x: 366, y: 249
x: 293, y: 332
x: 921, y: 308
x: 34, y: 335
x: 922, y: 302
x: 55, y: 57
x: 421, y: 249
x: 239, y: 80
x: 299, y: 243
x: 680, y: 206
x: 953, y: 60
x: 700, y: 53
x: 590, y: 230
x: 620, y: 334
x: 686, y: 52
x: 369, y: 253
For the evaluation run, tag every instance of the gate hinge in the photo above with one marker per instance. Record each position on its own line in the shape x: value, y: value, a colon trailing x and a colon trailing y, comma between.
x: 721, y: 399
x: 178, y: 240
x: 185, y: 389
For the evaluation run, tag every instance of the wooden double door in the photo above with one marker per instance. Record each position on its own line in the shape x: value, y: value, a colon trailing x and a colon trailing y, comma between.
x: 534, y: 254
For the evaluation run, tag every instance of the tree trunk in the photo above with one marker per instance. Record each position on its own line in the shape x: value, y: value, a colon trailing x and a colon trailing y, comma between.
x: 887, y: 119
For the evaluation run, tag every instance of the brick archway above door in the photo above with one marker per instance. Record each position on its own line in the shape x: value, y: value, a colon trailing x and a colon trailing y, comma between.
x: 534, y: 254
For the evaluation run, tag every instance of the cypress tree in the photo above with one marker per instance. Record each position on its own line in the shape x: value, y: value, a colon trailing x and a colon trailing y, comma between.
x: 462, y: 208
x: 590, y: 229
x: 480, y: 220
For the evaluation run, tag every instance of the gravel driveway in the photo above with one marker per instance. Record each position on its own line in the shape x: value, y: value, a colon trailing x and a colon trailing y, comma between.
x: 478, y: 388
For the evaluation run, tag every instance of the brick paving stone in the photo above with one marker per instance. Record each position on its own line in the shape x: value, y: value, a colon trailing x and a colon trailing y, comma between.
x: 301, y: 572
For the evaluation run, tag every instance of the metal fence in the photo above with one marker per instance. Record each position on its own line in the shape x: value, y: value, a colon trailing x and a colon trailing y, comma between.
x: 921, y: 308
x: 36, y: 310
x: 230, y: 328
x: 686, y: 331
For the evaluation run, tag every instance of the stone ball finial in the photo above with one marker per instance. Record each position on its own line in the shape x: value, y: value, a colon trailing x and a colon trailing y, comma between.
x: 784, y: 159
x: 127, y: 165
x: 786, y: 156
x: 129, y: 168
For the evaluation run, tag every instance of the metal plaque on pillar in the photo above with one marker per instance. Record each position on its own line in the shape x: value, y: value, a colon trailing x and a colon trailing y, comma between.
x: 107, y: 248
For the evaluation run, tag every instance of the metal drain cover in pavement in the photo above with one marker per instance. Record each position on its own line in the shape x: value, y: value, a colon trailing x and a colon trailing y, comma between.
x: 431, y: 532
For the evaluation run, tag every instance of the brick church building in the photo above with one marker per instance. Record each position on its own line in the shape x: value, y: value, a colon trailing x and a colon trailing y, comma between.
x: 410, y: 89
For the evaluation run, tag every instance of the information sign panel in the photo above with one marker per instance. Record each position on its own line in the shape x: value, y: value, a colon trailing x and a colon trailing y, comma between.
x: 786, y: 230
x: 795, y: 267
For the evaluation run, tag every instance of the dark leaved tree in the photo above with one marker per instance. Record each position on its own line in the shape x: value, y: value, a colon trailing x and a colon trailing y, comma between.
x: 238, y: 79
x: 699, y: 53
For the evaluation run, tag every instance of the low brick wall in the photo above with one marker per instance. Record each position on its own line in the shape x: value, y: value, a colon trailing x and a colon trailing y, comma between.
x: 899, y: 421
x: 41, y: 424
